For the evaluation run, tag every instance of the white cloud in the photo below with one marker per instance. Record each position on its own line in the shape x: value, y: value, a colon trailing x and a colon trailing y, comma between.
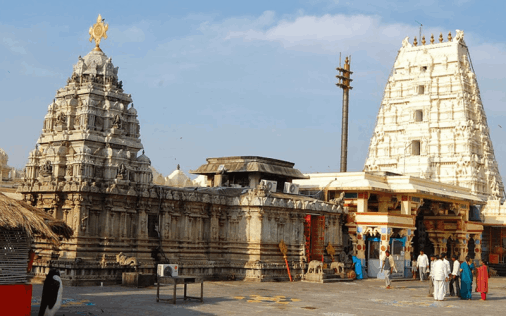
x: 14, y: 46
x: 329, y: 34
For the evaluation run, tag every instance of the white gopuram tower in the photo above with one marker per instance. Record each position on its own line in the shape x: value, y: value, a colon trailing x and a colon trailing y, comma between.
x: 431, y: 123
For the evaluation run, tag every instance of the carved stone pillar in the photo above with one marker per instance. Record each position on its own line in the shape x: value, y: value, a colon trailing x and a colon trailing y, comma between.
x: 248, y: 225
x: 360, y: 247
x: 167, y: 225
x: 354, y: 240
x: 477, y: 246
x: 85, y: 221
x: 461, y: 246
x: 215, y: 224
x: 174, y: 233
x: 123, y: 226
x: 200, y: 228
x: 76, y: 212
x: 190, y: 234
x: 106, y: 223
x: 385, y: 240
x: 143, y: 225
x: 113, y: 224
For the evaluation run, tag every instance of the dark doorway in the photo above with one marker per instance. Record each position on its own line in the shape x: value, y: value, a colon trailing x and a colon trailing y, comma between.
x: 421, y: 239
x: 314, y: 228
x: 470, y: 248
x: 450, y: 246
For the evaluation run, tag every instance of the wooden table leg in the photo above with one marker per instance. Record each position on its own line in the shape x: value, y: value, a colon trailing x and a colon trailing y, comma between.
x: 185, y: 291
x: 202, y: 292
x: 174, y: 296
x: 158, y: 292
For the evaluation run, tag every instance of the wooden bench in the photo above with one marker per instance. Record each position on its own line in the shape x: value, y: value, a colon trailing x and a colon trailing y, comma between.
x: 185, y: 280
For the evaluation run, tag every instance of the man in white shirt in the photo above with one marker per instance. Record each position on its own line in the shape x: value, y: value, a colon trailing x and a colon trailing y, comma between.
x: 422, y: 263
x: 440, y: 274
x: 455, y: 277
x: 444, y: 257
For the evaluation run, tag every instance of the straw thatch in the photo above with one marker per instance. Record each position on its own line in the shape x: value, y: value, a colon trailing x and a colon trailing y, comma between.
x: 20, y: 215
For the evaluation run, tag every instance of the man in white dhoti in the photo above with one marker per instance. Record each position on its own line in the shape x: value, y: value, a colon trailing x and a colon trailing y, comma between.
x: 444, y: 257
x: 440, y: 275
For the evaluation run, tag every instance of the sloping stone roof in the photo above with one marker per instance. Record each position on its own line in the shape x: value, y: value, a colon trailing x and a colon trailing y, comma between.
x: 250, y: 164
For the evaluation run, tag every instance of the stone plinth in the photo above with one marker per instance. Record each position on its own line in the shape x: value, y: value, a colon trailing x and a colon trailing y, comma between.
x: 135, y: 279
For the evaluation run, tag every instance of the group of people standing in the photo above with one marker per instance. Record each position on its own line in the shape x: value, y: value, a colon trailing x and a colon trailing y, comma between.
x: 455, y: 278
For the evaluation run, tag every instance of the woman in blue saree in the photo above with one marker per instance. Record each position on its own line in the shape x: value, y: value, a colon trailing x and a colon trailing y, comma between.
x: 358, y: 267
x: 466, y: 279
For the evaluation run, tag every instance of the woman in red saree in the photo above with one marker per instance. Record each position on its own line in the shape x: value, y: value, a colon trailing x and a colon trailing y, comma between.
x: 482, y: 280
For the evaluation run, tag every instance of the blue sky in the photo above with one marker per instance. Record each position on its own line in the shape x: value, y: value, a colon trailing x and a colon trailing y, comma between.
x: 221, y: 78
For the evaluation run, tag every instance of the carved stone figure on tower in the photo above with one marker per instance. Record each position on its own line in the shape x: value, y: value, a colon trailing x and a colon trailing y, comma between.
x: 116, y: 123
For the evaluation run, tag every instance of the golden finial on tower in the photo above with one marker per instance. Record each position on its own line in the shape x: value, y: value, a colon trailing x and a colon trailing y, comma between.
x: 423, y: 40
x: 415, y: 42
x: 97, y: 31
x: 440, y: 37
x: 450, y: 36
x: 432, y: 38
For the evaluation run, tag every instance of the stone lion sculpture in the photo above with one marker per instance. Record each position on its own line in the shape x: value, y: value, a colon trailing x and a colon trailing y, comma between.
x: 126, y: 261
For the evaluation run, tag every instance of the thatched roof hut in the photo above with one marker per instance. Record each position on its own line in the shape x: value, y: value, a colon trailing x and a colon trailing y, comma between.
x: 20, y: 215
x: 18, y: 223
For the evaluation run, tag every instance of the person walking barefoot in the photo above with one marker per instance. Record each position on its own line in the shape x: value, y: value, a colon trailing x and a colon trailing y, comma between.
x: 388, y: 266
x: 455, y: 277
x: 482, y: 280
x: 414, y: 266
x: 440, y: 275
x: 466, y: 278
x: 431, y: 278
x: 422, y: 263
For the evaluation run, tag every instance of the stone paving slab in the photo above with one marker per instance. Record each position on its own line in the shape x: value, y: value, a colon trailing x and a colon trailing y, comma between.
x: 366, y: 297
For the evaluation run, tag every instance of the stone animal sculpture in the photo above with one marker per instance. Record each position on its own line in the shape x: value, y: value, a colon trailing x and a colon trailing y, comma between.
x: 315, y: 266
x: 351, y: 274
x: 338, y: 268
x: 52, y: 293
x: 126, y: 261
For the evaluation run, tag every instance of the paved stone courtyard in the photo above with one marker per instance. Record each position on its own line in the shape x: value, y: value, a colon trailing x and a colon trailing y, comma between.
x: 367, y: 297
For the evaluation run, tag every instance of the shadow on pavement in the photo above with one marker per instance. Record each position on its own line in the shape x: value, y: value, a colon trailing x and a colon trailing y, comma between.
x: 124, y: 301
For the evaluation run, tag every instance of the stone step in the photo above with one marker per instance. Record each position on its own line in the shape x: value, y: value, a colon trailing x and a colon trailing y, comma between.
x: 500, y: 268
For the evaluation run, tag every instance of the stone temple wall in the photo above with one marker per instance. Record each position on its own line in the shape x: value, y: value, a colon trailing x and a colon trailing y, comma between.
x: 206, y: 233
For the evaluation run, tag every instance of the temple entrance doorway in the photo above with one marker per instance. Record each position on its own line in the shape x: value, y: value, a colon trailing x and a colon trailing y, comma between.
x: 314, y: 228
x: 397, y: 252
x: 421, y: 239
x: 373, y: 256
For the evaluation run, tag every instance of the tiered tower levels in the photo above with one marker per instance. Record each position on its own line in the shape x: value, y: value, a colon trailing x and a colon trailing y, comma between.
x: 432, y: 123
x: 90, y: 136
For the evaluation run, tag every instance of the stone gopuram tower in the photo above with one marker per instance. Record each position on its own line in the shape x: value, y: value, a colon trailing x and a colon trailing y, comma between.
x: 432, y: 123
x: 89, y: 145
